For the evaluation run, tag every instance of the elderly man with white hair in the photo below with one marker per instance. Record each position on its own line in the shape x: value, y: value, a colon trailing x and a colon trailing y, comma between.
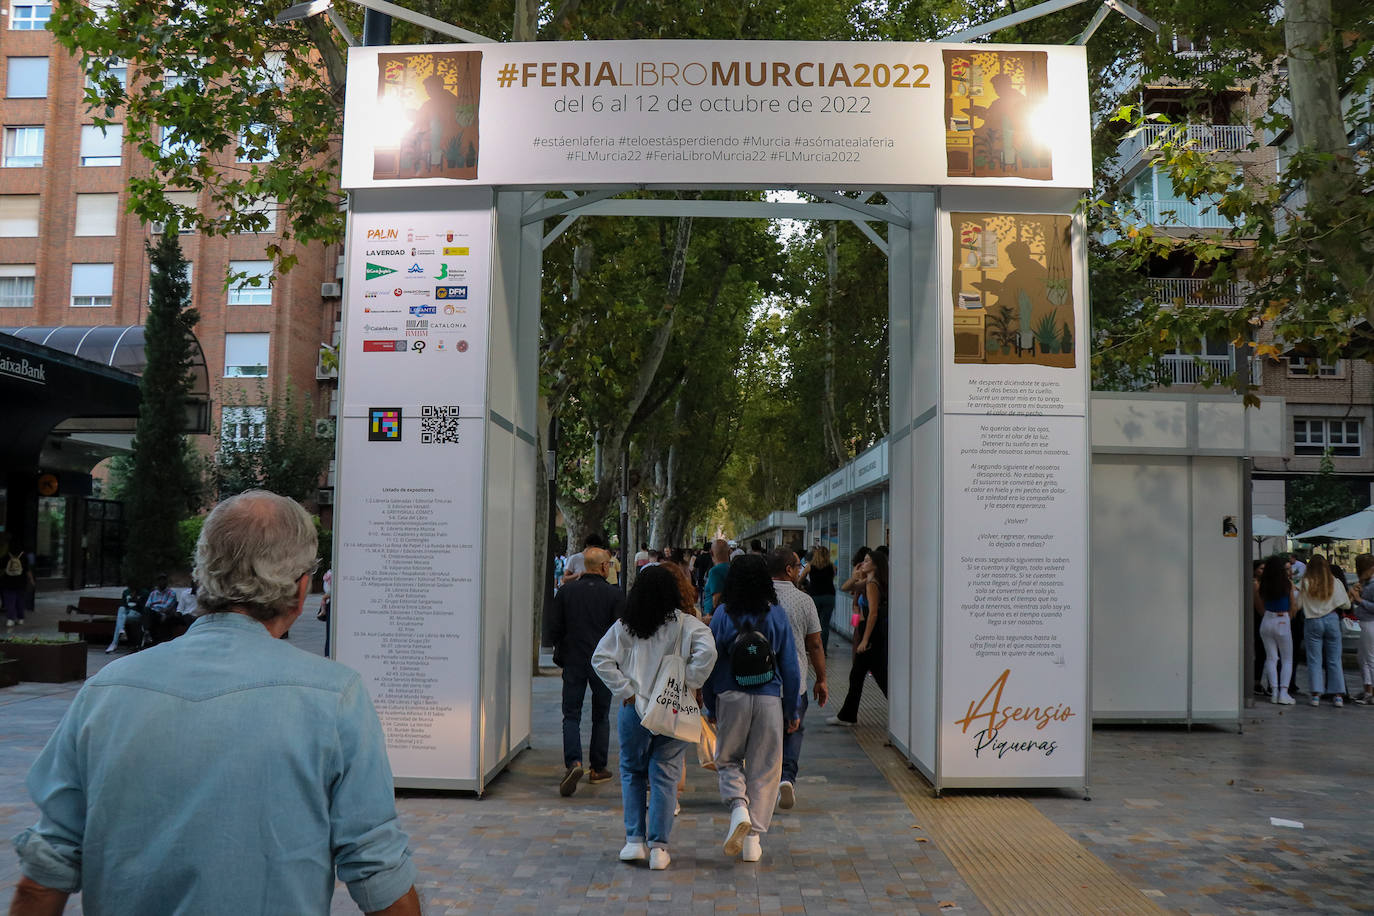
x: 224, y: 772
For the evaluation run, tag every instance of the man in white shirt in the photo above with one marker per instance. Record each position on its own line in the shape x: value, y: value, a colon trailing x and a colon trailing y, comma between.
x: 806, y: 637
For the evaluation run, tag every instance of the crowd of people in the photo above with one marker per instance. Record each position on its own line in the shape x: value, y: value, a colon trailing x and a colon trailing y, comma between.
x: 750, y: 630
x: 1313, y: 603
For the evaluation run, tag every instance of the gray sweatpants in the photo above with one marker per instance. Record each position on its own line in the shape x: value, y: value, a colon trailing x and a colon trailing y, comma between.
x: 749, y: 752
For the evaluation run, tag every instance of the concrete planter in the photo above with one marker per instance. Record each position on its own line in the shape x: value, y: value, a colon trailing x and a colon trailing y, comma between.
x: 48, y: 663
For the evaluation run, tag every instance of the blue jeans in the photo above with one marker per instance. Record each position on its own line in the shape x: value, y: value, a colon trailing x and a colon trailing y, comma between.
x: 649, y: 765
x: 1323, y: 637
x: 791, y: 744
x: 134, y: 620
x: 576, y: 679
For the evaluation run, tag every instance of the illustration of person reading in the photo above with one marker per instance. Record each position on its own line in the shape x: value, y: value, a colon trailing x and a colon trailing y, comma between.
x: 1005, y: 129
x: 437, y: 121
x: 1021, y: 289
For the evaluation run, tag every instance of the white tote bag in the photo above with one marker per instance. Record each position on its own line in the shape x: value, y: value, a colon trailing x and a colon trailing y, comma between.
x: 673, y: 710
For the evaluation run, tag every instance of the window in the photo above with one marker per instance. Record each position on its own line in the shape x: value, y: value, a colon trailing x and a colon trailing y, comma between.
x: 23, y: 147
x: 92, y: 286
x: 30, y: 17
x: 1313, y: 436
x: 245, y: 355
x: 1303, y: 367
x: 16, y: 286
x: 257, y: 143
x: 268, y: 208
x: 96, y: 214
x: 18, y: 216
x: 243, y: 425
x: 101, y: 145
x: 242, y: 291
x: 187, y: 204
x: 173, y: 145
x: 115, y: 69
x: 26, y: 77
x: 187, y: 274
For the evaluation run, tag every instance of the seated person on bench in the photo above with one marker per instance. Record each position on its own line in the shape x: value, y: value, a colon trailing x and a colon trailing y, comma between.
x: 162, y: 608
x: 130, y: 614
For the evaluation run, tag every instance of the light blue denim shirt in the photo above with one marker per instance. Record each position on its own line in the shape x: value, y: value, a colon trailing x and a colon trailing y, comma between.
x: 225, y: 772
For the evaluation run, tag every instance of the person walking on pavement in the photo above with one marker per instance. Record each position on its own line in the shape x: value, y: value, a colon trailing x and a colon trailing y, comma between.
x: 714, y: 588
x: 16, y: 578
x: 224, y: 772
x: 752, y: 700
x: 818, y: 581
x: 581, y: 613
x: 652, y: 625
x: 870, y: 651
x: 783, y: 567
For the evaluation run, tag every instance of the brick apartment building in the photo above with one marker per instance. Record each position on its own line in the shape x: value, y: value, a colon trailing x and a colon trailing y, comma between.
x: 70, y: 254
x: 1327, y: 406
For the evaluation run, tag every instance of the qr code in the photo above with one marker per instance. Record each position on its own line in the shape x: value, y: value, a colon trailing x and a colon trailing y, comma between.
x: 438, y: 425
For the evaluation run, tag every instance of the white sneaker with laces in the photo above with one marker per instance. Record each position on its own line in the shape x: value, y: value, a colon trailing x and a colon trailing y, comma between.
x: 1315, y: 701
x: 787, y: 795
x: 634, y: 851
x: 739, y: 827
x: 1338, y: 700
x: 836, y: 720
x: 658, y: 858
x: 752, y: 850
x: 1285, y: 700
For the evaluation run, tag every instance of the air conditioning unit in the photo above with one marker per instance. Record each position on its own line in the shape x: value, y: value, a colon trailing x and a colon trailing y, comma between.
x: 159, y: 227
x: 325, y: 497
x: 331, y: 290
x: 325, y: 427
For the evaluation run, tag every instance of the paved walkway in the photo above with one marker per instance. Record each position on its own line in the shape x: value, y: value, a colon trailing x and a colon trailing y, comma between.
x: 1181, y: 819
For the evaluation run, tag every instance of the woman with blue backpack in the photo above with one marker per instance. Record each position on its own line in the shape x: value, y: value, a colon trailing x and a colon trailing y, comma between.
x: 749, y: 697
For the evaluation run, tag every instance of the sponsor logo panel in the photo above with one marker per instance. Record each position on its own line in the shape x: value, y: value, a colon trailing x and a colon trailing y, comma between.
x: 450, y: 292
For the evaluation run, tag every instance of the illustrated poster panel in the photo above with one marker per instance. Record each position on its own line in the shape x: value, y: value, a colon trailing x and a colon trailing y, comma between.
x: 1014, y: 313
x: 428, y: 102
x: 1015, y: 614
x: 995, y: 107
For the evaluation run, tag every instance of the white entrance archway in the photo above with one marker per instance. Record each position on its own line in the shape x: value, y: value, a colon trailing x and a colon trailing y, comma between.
x: 449, y: 156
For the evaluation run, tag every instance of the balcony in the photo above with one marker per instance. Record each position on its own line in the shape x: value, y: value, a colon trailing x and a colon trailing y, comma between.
x: 1211, y: 138
x: 1189, y: 369
x: 1171, y: 213
x: 1192, y: 293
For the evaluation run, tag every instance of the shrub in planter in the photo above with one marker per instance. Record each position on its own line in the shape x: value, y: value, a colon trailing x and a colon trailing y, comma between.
x: 46, y: 660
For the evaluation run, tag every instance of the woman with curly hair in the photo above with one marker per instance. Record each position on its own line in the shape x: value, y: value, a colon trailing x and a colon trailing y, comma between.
x: 1274, y: 595
x: 627, y: 659
x: 749, y: 708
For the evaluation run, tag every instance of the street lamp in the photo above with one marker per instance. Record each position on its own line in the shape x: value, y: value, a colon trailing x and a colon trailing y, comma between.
x: 312, y: 8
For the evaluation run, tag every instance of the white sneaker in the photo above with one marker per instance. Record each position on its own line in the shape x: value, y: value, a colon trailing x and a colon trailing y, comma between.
x: 836, y: 720
x: 1315, y: 701
x: 658, y: 858
x: 9, y: 624
x: 677, y: 807
x: 787, y: 795
x: 1285, y: 700
x: 752, y: 850
x: 739, y: 827
x: 1338, y: 700
x: 634, y: 851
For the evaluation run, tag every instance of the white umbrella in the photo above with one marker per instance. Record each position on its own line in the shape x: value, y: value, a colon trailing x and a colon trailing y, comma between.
x: 1262, y: 526
x: 1356, y: 527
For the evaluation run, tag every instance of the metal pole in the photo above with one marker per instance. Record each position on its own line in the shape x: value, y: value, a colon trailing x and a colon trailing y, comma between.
x: 376, y: 28
x: 551, y: 467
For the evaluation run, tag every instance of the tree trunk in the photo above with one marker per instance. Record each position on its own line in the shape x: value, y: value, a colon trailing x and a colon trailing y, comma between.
x: 829, y: 419
x: 1319, y: 126
x: 525, y: 26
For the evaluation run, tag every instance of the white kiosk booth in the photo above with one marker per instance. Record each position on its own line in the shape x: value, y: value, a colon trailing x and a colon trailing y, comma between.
x: 980, y: 153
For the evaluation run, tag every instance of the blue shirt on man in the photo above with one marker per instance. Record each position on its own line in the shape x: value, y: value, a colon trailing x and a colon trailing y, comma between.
x: 225, y: 772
